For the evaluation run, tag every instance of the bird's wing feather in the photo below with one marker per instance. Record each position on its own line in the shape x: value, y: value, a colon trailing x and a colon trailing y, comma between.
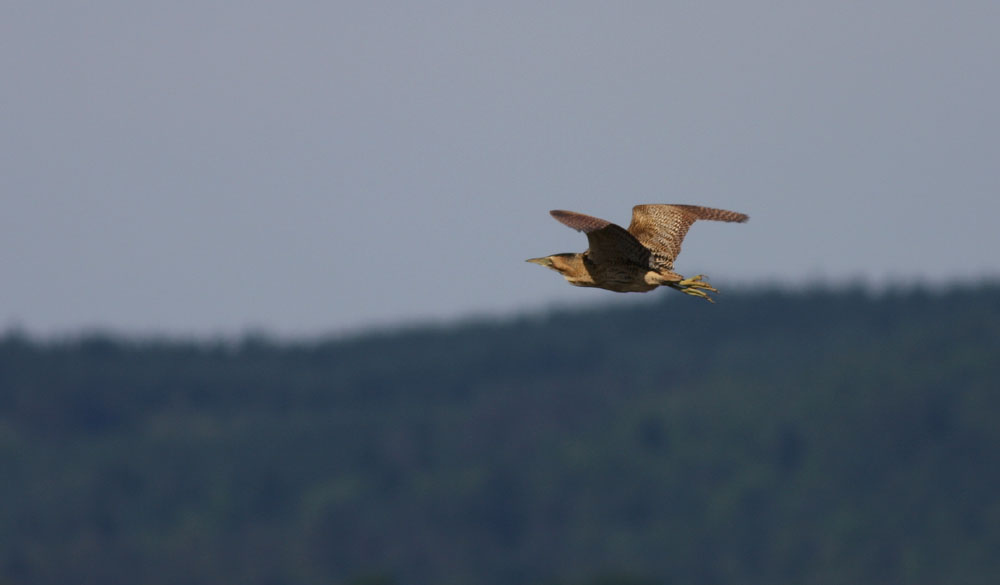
x: 661, y: 228
x: 609, y: 243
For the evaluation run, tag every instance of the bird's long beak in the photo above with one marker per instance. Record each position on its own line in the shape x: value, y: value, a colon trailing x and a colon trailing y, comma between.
x: 540, y: 261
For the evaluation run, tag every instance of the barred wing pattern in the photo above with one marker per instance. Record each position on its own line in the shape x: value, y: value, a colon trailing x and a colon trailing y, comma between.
x: 661, y: 228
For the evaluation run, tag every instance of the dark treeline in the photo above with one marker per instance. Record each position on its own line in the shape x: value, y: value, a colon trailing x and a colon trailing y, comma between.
x: 812, y: 437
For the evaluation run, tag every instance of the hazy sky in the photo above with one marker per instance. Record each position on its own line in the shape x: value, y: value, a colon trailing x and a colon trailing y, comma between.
x: 307, y: 167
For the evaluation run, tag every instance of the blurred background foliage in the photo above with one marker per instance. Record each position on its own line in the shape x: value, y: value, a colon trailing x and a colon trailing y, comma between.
x: 813, y: 437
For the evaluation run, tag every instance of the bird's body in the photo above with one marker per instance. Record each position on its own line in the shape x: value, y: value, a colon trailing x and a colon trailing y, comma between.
x: 640, y: 258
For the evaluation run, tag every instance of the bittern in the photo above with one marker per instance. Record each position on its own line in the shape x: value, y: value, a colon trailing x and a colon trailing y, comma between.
x: 640, y: 258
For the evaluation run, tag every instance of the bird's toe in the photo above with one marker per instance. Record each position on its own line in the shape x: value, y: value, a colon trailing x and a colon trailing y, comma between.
x: 697, y: 283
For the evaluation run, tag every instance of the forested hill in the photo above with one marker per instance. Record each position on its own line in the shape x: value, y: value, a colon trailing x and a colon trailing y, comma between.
x: 814, y: 437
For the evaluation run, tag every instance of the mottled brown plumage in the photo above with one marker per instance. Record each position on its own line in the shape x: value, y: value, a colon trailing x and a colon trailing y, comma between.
x: 640, y: 258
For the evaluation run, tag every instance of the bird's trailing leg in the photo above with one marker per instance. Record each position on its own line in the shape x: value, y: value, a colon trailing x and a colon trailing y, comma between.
x: 695, y: 286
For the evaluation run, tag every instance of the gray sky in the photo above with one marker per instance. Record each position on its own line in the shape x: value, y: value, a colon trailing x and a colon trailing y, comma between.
x: 307, y: 167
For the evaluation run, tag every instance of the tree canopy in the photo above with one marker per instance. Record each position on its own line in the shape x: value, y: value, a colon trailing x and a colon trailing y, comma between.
x: 817, y: 436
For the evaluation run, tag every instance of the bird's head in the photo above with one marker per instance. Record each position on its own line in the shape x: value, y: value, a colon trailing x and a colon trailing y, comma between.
x: 571, y: 266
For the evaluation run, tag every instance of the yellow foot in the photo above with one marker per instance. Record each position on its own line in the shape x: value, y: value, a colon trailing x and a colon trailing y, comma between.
x: 696, y: 286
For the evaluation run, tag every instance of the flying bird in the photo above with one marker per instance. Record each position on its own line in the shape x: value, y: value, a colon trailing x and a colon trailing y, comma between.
x: 640, y: 258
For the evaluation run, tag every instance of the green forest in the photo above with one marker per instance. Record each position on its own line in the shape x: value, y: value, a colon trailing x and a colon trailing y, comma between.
x: 815, y: 436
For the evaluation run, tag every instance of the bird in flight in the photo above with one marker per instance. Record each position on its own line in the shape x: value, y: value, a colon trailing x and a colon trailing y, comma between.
x: 640, y: 258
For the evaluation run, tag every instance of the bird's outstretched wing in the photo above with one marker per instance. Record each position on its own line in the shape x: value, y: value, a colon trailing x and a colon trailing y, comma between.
x: 609, y: 243
x: 661, y: 228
